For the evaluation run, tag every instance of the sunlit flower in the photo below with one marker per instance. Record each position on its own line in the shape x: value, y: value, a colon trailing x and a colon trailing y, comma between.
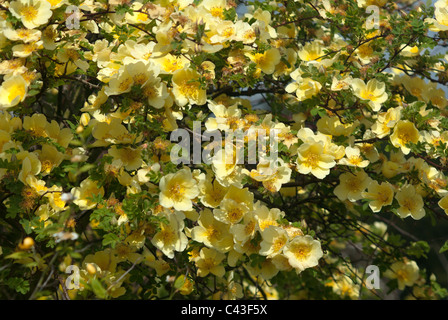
x: 406, y: 273
x: 303, y: 252
x: 177, y: 190
x: 32, y: 13
x: 411, y: 203
x: 404, y: 133
x: 352, y: 185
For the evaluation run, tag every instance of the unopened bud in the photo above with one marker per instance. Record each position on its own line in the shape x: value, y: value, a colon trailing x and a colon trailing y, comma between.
x: 27, y: 243
x: 91, y: 269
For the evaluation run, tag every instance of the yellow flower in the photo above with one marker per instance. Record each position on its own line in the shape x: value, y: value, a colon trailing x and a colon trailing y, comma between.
x: 32, y: 13
x: 12, y: 91
x: 84, y: 193
x: 139, y: 15
x: 225, y: 117
x: 304, y: 88
x: 443, y: 203
x: 303, y: 252
x: 104, y: 261
x: 414, y: 85
x: 127, y: 252
x: 177, y: 190
x: 344, y: 286
x: 209, y: 261
x: 215, y: 7
x: 25, y: 35
x: 267, y: 60
x: 340, y: 84
x: 266, y: 270
x: 54, y: 197
x: 112, y: 132
x: 224, y: 165
x: 312, y: 159
x: 25, y: 50
x: 246, y: 230
x: 187, y: 285
x: 274, y: 240
x: 129, y: 157
x: 57, y: 3
x: 379, y: 194
x: 312, y: 51
x: 30, y: 165
x: 245, y: 32
x: 333, y: 126
x: 411, y: 203
x: 122, y: 83
x: 267, y: 217
x: 212, y: 193
x: 156, y: 92
x: 37, y: 185
x: 386, y: 121
x: 405, y: 132
x: 352, y: 185
x: 225, y: 31
x: 170, y: 238
x: 230, y: 211
x: 272, y: 175
x: 212, y: 233
x: 406, y: 273
x: 36, y: 125
x: 170, y: 64
x: 354, y: 158
x: 49, y: 158
x: 440, y: 23
x: 187, y: 88
x: 374, y: 91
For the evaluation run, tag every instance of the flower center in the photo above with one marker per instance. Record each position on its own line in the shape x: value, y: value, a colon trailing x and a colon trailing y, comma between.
x: 29, y: 12
x: 16, y: 91
x: 312, y: 160
x: 301, y: 251
x: 217, y: 12
x: 188, y: 89
x: 278, y: 244
x: 46, y: 166
x: 177, y: 192
x: 235, y: 215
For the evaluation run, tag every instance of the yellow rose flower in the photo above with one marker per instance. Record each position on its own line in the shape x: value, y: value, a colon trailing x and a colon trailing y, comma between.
x: 32, y: 13
x: 380, y: 195
x: 303, y: 252
x: 411, y: 203
x: 374, y: 91
x: 84, y: 193
x: 187, y: 88
x: 406, y: 273
x: 13, y: 91
x: 404, y: 132
x: 177, y: 190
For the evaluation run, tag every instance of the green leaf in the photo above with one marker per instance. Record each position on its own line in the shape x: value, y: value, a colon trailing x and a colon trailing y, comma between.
x: 419, y: 249
x: 444, y: 247
x: 98, y: 289
x: 20, y: 285
x: 179, y: 281
x: 110, y: 239
x: 123, y: 9
x: 18, y: 255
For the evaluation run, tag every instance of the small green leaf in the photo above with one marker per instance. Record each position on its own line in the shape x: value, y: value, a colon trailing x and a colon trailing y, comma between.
x: 98, y: 289
x: 444, y: 247
x: 179, y: 282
